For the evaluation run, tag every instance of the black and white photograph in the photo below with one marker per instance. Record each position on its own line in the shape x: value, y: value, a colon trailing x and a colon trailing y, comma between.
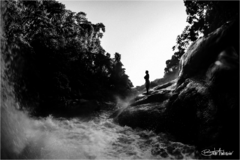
x: 119, y: 79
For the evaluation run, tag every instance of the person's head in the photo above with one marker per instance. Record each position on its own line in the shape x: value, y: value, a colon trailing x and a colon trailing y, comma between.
x: 146, y: 72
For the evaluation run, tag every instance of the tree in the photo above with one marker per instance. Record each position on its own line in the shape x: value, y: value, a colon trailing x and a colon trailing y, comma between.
x: 203, y: 17
x: 54, y: 56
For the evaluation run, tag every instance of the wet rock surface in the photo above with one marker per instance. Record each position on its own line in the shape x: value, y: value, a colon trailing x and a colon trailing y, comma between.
x: 200, y: 107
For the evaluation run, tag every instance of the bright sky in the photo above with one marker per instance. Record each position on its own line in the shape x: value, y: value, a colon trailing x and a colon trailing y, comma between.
x: 143, y: 32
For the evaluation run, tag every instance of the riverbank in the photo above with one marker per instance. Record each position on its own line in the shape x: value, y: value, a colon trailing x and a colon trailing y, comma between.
x: 200, y: 107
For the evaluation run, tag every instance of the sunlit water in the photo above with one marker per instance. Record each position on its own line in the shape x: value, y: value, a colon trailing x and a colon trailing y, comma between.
x: 97, y: 138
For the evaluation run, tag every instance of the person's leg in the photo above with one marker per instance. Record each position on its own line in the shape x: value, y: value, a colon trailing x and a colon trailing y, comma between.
x: 147, y: 88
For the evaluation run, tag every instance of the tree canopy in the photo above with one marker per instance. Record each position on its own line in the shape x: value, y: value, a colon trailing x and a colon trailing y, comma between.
x: 203, y: 17
x: 54, y: 55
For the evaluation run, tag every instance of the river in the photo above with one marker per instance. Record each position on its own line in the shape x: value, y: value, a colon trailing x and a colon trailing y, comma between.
x: 93, y: 138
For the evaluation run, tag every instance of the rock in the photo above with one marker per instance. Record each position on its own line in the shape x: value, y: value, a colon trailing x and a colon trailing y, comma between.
x: 145, y: 116
x: 206, y: 52
x: 201, y: 107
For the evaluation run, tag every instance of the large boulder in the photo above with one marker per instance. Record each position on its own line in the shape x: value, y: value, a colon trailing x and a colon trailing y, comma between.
x: 201, y: 107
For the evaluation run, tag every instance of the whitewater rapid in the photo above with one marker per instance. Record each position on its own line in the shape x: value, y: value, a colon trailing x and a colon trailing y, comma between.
x: 24, y: 137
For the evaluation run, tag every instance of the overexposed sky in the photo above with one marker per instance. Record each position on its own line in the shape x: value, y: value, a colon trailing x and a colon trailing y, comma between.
x: 143, y: 32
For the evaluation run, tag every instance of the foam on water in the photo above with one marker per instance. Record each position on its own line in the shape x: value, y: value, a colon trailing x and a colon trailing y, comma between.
x: 98, y: 138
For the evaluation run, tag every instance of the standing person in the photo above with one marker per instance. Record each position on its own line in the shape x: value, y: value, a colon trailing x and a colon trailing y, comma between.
x: 147, y: 82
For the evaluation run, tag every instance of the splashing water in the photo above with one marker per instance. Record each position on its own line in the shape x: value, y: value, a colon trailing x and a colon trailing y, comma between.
x: 99, y: 138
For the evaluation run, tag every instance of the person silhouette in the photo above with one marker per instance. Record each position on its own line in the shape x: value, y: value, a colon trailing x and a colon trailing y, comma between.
x: 147, y: 82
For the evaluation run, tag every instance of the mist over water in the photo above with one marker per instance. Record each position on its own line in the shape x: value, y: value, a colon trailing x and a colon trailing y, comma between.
x: 96, y: 138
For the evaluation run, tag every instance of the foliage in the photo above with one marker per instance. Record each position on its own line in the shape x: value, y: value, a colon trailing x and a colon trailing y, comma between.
x: 54, y: 55
x: 203, y: 18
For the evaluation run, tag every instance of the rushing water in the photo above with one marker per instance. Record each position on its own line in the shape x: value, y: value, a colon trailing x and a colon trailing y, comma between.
x: 96, y: 138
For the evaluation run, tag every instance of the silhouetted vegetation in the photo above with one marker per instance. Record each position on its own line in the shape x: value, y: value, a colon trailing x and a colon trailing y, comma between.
x: 203, y: 18
x: 54, y: 56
